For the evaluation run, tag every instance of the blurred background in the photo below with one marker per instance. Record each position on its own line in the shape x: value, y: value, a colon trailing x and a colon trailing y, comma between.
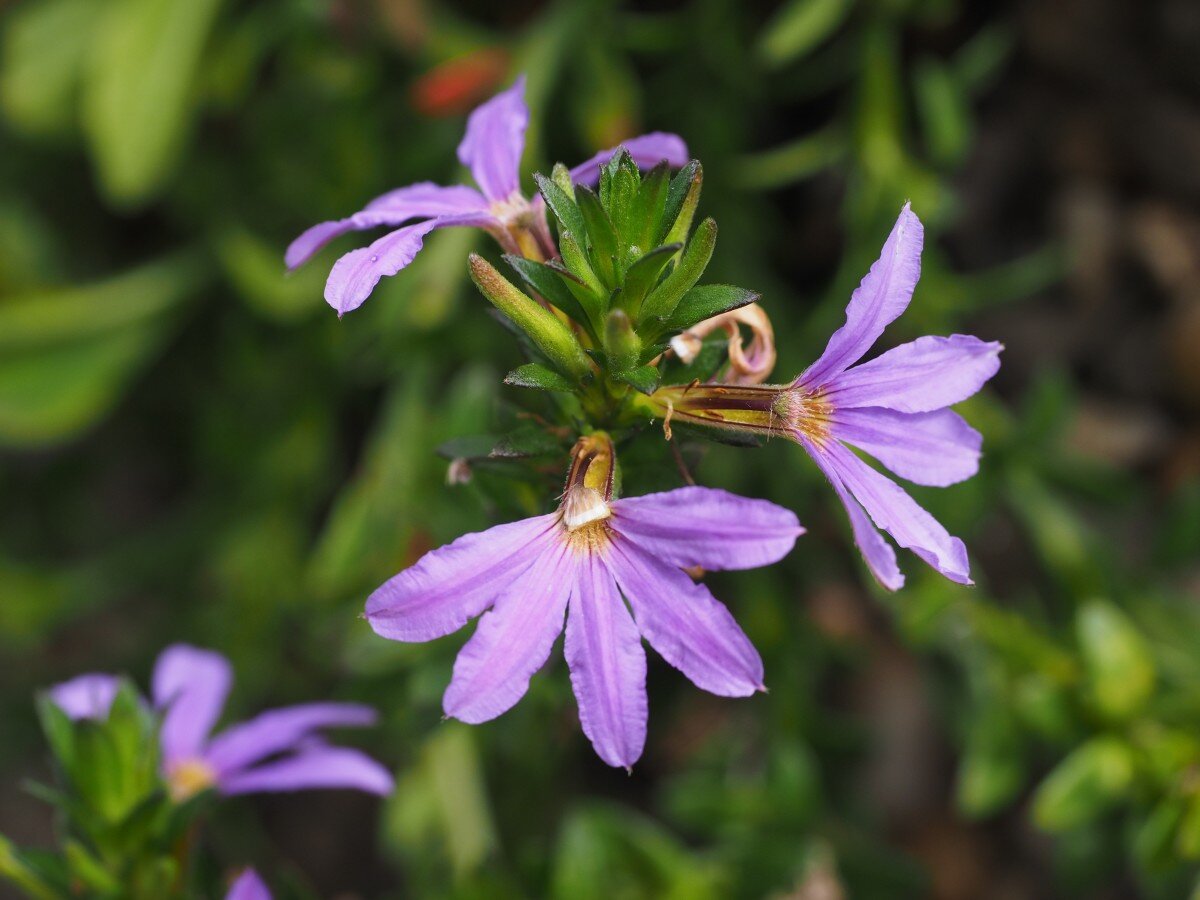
x: 193, y: 447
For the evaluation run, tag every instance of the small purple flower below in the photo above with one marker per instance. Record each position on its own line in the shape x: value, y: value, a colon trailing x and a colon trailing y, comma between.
x: 248, y: 887
x: 524, y: 577
x: 895, y: 408
x: 278, y: 750
x: 492, y: 150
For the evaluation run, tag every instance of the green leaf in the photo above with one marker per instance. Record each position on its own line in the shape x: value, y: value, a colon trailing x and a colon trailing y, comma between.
x: 564, y: 208
x: 643, y: 275
x: 650, y: 206
x: 704, y: 302
x: 644, y: 378
x: 551, y: 284
x: 534, y: 375
x: 587, y: 287
x: 798, y: 27
x: 14, y: 868
x: 687, y: 181
x: 1119, y: 664
x: 525, y: 441
x: 139, y: 96
x: 1094, y: 778
x: 602, y: 236
x: 661, y: 301
x: 944, y: 110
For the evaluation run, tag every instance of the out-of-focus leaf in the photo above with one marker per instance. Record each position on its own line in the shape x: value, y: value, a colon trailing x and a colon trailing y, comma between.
x: 533, y: 375
x: 944, y: 111
x: 255, y: 267
x: 139, y: 92
x: 18, y: 872
x: 1092, y: 779
x: 1120, y: 666
x: 993, y: 765
x: 44, y: 51
x: 794, y: 161
x: 798, y: 27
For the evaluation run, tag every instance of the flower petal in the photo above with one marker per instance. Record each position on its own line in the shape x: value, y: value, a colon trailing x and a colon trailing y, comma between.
x: 934, y: 448
x: 699, y: 526
x: 86, y: 696
x: 682, y: 620
x: 277, y: 730
x: 926, y: 374
x: 248, y: 887
x: 317, y: 766
x: 191, y: 685
x: 877, y: 553
x: 424, y: 200
x: 513, y: 640
x: 881, y: 297
x: 608, y: 667
x: 355, y: 275
x: 899, y: 515
x: 647, y: 150
x: 495, y: 140
x: 448, y: 587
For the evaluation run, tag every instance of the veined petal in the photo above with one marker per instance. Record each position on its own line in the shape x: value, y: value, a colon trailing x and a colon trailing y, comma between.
x: 682, y: 620
x: 86, y: 696
x: 926, y: 374
x: 877, y: 553
x: 647, y: 150
x: 316, y: 766
x: 699, y: 526
x: 191, y: 685
x: 495, y: 140
x: 899, y: 515
x: 424, y: 200
x: 355, y: 275
x: 514, y: 639
x: 934, y: 448
x: 881, y: 297
x: 449, y: 586
x: 608, y: 666
x: 248, y: 887
x: 277, y: 730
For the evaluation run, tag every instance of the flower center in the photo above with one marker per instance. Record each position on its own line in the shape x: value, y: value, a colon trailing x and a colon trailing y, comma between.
x: 513, y: 210
x: 189, y: 777
x: 807, y: 414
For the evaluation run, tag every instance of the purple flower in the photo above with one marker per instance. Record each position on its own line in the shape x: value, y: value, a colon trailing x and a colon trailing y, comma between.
x: 895, y: 408
x: 86, y: 696
x: 248, y: 887
x: 277, y: 750
x: 491, y: 149
x: 524, y: 577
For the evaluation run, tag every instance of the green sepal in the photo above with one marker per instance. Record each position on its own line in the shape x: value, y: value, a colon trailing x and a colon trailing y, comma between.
x: 643, y: 275
x: 704, y: 302
x: 547, y: 332
x: 644, y: 378
x: 535, y: 375
x: 602, y: 236
x: 682, y: 198
x: 549, y: 282
x: 729, y: 436
x: 662, y: 301
x: 562, y: 205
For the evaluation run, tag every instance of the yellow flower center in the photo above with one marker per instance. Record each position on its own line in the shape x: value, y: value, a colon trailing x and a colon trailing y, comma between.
x: 188, y: 778
x: 807, y: 414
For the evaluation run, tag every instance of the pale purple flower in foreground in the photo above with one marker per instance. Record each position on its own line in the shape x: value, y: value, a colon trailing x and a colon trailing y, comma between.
x: 895, y: 408
x: 278, y: 750
x: 248, y: 887
x: 86, y: 696
x: 579, y: 562
x: 491, y: 149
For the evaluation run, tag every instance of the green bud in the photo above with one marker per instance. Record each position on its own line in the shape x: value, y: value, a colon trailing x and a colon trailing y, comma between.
x: 1119, y: 665
x: 561, y: 176
x: 548, y: 333
x: 1089, y: 782
x: 621, y: 341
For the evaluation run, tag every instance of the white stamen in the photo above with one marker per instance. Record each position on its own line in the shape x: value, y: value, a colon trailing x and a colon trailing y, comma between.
x: 583, y: 506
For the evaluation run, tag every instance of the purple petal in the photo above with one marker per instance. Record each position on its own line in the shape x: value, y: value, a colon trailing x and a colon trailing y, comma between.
x: 355, y: 275
x: 448, y: 587
x: 278, y: 730
x: 935, y: 448
x: 495, y: 140
x: 316, y: 766
x: 689, y: 627
x: 647, y: 150
x: 424, y: 200
x: 698, y: 526
x: 513, y: 640
x: 191, y: 685
x: 926, y: 374
x: 248, y: 887
x: 881, y: 297
x: 608, y: 667
x: 876, y: 552
x: 86, y: 696
x: 899, y: 515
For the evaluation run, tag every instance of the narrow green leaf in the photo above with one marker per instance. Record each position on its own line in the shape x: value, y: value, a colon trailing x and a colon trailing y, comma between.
x: 661, y: 301
x: 563, y: 206
x: 682, y: 198
x: 551, y: 284
x: 1119, y: 664
x: 1093, y: 778
x: 589, y: 291
x: 944, y: 111
x: 798, y: 27
x: 643, y: 275
x: 643, y: 378
x: 602, y: 236
x: 706, y: 301
x: 535, y: 375
x: 650, y: 205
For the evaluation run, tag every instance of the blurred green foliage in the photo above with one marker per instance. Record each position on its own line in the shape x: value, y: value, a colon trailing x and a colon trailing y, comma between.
x: 194, y: 447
